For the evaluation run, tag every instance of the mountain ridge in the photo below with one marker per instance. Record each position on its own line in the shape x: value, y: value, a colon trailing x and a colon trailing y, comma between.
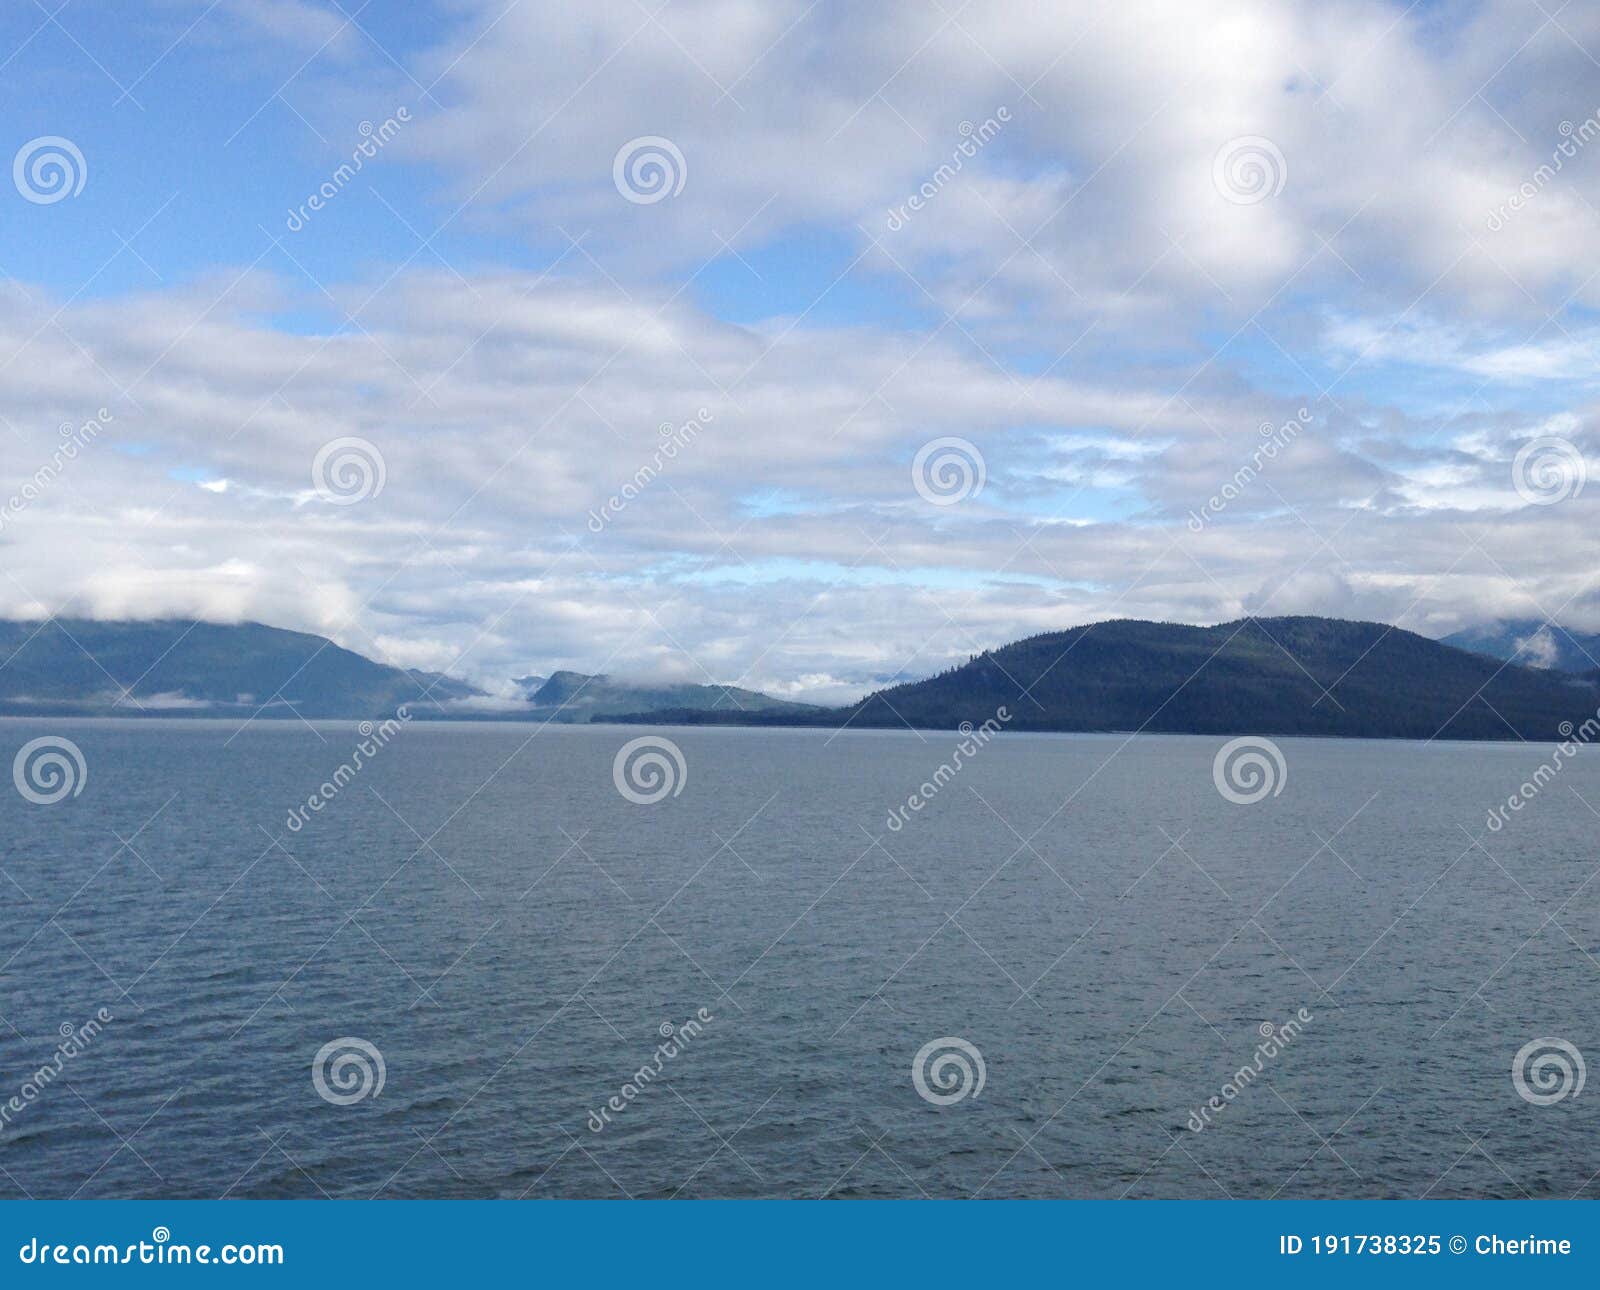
x: 1290, y: 675
x: 1294, y: 675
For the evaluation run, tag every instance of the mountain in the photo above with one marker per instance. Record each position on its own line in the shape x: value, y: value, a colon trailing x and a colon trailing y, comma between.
x: 575, y: 696
x: 75, y: 666
x: 173, y: 667
x: 1534, y: 644
x: 1286, y: 676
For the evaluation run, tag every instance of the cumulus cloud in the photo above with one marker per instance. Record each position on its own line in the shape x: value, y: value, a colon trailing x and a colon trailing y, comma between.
x: 1088, y: 295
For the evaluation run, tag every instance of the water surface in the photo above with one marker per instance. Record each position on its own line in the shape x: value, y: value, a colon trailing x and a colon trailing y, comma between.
x: 484, y: 907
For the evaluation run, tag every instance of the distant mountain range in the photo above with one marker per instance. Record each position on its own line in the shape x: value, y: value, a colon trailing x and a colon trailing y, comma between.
x: 1290, y: 676
x: 75, y: 666
x: 575, y: 696
x: 1534, y: 644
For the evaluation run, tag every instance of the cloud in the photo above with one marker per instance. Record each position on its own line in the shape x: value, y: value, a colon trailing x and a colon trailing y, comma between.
x: 1088, y: 293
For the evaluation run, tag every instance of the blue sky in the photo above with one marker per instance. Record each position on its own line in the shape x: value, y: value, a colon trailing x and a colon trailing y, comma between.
x: 1096, y: 251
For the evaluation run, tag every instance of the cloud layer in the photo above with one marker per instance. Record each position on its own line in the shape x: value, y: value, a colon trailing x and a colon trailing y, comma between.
x: 1113, y: 253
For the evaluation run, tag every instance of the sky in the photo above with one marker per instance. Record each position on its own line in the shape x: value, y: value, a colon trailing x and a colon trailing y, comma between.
x: 805, y: 347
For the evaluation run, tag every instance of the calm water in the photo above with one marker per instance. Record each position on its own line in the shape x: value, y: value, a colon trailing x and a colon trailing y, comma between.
x: 485, y: 908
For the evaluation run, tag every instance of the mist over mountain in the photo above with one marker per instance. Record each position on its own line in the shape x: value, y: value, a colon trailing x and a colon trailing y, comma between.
x: 577, y: 696
x: 73, y: 666
x: 1534, y: 644
x: 1292, y: 676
